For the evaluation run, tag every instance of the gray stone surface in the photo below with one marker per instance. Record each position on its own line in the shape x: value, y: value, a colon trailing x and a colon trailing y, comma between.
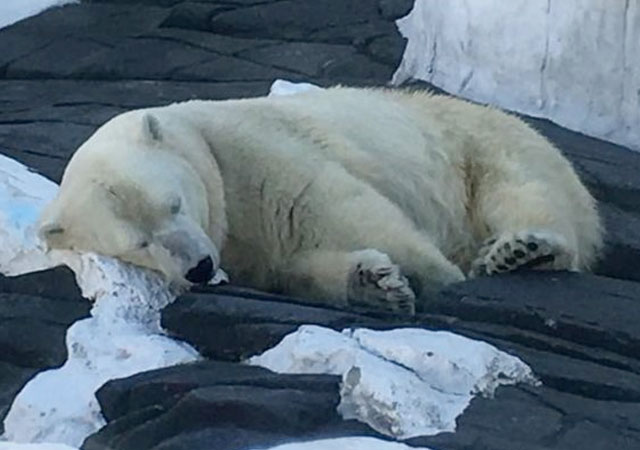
x: 66, y: 71
x: 235, y: 406
x: 35, y: 312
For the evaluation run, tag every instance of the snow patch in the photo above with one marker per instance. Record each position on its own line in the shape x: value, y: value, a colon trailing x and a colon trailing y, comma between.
x: 352, y: 443
x: 284, y: 87
x: 402, y: 383
x: 23, y: 194
x: 16, y: 446
x: 11, y: 11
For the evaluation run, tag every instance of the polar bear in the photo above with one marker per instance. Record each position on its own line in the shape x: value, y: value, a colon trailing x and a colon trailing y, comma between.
x: 345, y: 196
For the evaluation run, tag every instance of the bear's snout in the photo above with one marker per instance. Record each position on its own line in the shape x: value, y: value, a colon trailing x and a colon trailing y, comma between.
x: 202, y: 272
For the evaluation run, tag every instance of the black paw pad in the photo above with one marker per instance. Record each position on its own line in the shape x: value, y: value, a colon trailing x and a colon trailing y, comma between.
x: 539, y: 261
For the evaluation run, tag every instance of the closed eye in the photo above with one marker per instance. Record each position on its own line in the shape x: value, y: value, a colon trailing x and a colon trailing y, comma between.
x: 175, y: 206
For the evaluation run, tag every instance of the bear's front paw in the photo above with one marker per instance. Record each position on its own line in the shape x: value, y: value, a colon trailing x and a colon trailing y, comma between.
x: 537, y: 250
x: 376, y: 282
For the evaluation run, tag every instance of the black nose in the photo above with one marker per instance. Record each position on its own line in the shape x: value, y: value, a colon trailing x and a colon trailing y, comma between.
x: 201, y: 273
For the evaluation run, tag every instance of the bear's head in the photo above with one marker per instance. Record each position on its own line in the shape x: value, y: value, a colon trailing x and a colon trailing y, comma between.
x: 127, y: 193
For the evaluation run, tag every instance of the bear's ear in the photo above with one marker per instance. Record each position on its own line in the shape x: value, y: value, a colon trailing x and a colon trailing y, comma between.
x: 50, y: 232
x: 151, y: 127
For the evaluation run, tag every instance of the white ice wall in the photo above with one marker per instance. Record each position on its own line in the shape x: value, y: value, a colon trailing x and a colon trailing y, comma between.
x: 12, y: 11
x: 576, y: 62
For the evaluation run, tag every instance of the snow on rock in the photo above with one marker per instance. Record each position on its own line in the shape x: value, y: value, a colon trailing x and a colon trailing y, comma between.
x: 350, y: 443
x: 404, y: 382
x: 16, y: 446
x: 574, y: 62
x: 285, y: 87
x: 12, y: 11
x: 22, y: 195
x: 122, y: 337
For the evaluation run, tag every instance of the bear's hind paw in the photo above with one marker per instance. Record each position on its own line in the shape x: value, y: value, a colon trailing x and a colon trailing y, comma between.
x: 375, y: 282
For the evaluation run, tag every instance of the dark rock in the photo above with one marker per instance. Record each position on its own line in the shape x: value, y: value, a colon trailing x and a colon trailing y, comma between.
x: 15, y: 45
x: 227, y: 438
x: 576, y: 331
x: 33, y: 327
x: 610, y: 414
x: 31, y: 342
x: 43, y: 145
x: 356, y: 34
x: 61, y: 114
x: 12, y: 379
x: 586, y: 379
x: 218, y: 44
x: 142, y: 2
x: 165, y: 386
x: 193, y: 16
x: 518, y: 420
x: 319, y: 60
x: 96, y: 22
x: 610, y: 170
x: 232, y: 324
x: 387, y: 49
x: 529, y: 418
x: 292, y: 20
x: 394, y: 9
x: 211, y: 400
x: 59, y: 59
x: 58, y: 284
x: 589, y: 310
x: 593, y: 436
x: 100, y: 95
x: 622, y: 243
x: 124, y: 62
x: 225, y: 68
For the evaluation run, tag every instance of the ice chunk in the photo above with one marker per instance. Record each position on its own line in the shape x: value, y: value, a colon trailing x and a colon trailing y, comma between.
x: 403, y: 383
x: 284, y: 87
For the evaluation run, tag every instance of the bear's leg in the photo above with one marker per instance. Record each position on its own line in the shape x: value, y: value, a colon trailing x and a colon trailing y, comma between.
x: 373, y: 277
x: 340, y: 223
x: 523, y: 230
x: 361, y: 278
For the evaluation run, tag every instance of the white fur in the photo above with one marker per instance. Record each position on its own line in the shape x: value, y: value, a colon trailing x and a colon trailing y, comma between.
x: 290, y: 189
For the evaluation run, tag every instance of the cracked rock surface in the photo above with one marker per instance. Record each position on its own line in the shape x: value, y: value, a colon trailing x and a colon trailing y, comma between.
x: 66, y: 71
x: 35, y: 312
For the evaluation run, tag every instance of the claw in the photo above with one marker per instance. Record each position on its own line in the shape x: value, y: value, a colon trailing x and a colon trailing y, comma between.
x: 378, y: 283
